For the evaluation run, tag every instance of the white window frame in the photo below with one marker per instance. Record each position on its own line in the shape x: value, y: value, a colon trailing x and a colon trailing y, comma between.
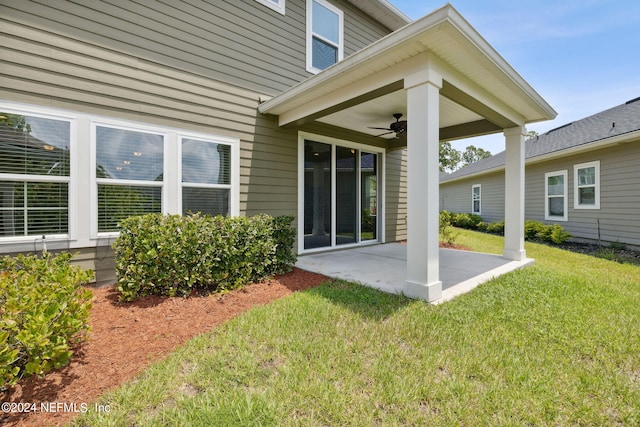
x: 565, y: 196
x: 310, y: 34
x: 233, y: 187
x: 334, y: 142
x: 577, y: 186
x: 133, y: 127
x: 277, y: 5
x: 479, y: 187
x: 33, y: 111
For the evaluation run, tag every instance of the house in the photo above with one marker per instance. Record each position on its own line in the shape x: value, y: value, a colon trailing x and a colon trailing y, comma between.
x: 583, y: 175
x: 247, y: 107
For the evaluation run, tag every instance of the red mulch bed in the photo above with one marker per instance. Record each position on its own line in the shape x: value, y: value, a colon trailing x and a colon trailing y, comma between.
x: 126, y: 338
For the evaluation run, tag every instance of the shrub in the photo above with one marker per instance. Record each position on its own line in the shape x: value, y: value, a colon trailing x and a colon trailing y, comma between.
x: 558, y: 235
x: 43, y: 311
x: 482, y: 226
x: 532, y: 229
x: 466, y: 220
x: 496, y: 227
x: 173, y: 255
x: 446, y: 232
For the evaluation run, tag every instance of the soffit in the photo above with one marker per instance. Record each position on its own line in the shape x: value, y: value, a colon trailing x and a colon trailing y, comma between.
x: 384, y: 12
x: 467, y: 62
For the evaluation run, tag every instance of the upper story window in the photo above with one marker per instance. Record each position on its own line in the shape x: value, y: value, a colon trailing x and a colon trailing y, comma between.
x: 587, y: 185
x: 325, y: 35
x: 556, y: 196
x: 277, y: 5
x: 35, y: 171
x: 476, y: 199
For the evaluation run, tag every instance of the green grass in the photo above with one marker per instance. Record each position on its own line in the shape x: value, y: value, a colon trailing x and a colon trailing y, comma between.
x: 554, y: 344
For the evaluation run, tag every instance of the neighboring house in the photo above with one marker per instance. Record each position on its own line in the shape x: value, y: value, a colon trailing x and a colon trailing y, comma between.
x: 583, y: 175
x: 240, y: 108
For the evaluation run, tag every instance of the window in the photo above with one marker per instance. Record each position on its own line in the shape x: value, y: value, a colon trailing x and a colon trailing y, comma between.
x: 206, y: 176
x: 476, y: 195
x: 277, y: 5
x: 324, y: 35
x: 587, y: 185
x: 129, y: 174
x: 556, y: 196
x: 35, y: 170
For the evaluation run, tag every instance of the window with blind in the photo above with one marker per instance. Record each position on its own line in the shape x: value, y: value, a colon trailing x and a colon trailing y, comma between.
x: 34, y: 175
x: 206, y: 176
x: 324, y: 35
x: 129, y: 174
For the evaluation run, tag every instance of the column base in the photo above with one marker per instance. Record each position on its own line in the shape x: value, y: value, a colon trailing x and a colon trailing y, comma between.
x: 514, y: 254
x: 429, y: 293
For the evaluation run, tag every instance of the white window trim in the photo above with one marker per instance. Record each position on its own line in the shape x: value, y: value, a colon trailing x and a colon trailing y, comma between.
x: 576, y: 198
x: 565, y: 217
x: 310, y: 67
x: 46, y: 113
x: 473, y: 187
x: 277, y: 5
x: 234, y: 187
x: 381, y: 152
x: 134, y: 127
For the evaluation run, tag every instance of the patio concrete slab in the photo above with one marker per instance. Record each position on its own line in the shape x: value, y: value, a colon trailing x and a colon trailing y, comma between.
x: 384, y: 267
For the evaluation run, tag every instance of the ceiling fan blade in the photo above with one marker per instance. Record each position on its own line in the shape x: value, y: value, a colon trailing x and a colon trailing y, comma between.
x: 379, y: 128
x: 382, y: 134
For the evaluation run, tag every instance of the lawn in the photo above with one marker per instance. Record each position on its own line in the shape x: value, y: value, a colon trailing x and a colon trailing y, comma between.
x: 554, y: 344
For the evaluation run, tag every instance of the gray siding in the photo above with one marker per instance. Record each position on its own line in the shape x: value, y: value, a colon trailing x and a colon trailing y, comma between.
x: 197, y: 65
x: 617, y: 217
x: 456, y: 196
x: 619, y: 194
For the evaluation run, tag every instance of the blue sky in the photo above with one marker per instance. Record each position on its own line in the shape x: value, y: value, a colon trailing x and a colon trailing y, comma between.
x: 582, y: 56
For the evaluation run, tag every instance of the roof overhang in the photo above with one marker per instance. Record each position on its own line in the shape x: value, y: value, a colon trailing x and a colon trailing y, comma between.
x: 384, y: 12
x: 554, y: 155
x: 481, y: 92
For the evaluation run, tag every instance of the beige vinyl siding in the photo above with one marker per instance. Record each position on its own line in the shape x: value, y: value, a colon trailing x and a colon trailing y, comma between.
x: 396, y: 196
x: 196, y: 65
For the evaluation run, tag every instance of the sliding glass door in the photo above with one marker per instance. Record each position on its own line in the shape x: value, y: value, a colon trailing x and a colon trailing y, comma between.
x: 340, y: 195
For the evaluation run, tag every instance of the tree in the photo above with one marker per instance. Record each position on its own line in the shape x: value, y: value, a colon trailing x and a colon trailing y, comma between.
x: 472, y: 154
x: 449, y: 157
x: 452, y: 159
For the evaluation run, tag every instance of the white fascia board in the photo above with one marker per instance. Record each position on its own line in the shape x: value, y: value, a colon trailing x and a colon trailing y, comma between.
x: 373, y: 58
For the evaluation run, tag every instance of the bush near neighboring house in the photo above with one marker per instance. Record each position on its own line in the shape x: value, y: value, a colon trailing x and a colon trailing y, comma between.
x: 44, y: 310
x: 173, y: 255
x: 533, y: 230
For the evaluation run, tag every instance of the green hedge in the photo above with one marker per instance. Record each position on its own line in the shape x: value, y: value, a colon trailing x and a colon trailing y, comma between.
x: 43, y: 311
x: 173, y: 255
x: 533, y: 230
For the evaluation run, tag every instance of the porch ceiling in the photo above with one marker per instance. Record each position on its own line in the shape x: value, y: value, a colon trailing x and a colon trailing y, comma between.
x: 481, y: 92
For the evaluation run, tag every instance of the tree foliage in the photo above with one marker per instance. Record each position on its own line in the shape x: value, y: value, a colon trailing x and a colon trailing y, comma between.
x: 452, y: 159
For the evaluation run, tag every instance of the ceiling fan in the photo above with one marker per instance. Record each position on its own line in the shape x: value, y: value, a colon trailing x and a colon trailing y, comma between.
x: 399, y: 127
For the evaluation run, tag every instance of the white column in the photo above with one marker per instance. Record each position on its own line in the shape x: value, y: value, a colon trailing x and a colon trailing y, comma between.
x: 423, y: 133
x: 514, y: 195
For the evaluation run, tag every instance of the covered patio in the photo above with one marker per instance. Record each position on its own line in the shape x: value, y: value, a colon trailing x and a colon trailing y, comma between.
x: 448, y: 83
x: 381, y: 266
